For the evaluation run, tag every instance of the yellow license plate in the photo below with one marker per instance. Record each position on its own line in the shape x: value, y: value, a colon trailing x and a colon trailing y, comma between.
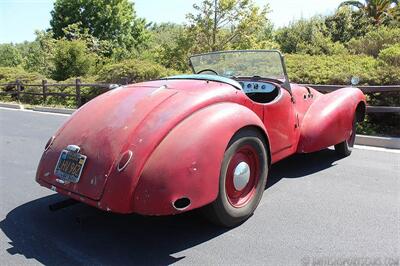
x: 69, y: 166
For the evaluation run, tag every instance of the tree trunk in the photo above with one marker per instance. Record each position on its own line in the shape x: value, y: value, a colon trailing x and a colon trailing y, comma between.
x: 214, y: 33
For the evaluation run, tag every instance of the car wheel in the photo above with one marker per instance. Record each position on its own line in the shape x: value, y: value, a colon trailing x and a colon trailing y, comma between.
x: 345, y: 148
x: 242, y: 179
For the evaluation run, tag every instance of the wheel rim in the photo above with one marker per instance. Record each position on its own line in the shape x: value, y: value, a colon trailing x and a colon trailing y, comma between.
x: 242, y: 176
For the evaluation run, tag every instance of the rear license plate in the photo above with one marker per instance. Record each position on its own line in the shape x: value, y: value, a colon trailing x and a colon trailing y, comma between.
x: 69, y: 166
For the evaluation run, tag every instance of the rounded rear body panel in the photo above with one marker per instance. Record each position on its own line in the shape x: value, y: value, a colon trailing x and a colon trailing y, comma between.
x: 134, y: 118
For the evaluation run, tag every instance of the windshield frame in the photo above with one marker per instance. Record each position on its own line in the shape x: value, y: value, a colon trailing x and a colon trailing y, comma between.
x: 286, y: 83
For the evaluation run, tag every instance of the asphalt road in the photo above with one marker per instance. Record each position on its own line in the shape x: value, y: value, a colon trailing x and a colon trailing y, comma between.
x: 316, y: 209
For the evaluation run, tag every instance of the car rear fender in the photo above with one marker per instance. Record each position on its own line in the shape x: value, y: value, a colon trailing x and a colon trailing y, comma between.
x: 329, y: 119
x: 186, y: 164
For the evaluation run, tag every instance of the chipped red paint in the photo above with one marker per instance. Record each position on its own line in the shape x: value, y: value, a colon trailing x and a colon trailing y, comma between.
x: 177, y: 131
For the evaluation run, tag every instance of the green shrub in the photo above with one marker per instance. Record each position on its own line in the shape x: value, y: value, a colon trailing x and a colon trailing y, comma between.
x: 133, y: 70
x: 11, y: 74
x: 71, y: 59
x: 391, y: 55
x: 337, y: 69
x: 375, y: 41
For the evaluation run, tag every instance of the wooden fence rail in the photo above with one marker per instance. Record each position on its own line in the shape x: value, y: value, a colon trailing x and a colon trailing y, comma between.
x: 18, y: 88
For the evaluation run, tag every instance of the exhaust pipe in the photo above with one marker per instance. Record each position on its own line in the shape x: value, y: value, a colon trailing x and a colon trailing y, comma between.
x: 181, y: 204
x: 62, y: 204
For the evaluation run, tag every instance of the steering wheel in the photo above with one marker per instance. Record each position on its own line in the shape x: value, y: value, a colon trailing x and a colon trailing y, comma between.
x: 209, y: 70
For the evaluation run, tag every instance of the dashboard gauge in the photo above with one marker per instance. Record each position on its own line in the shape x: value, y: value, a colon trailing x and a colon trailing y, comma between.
x: 256, y: 87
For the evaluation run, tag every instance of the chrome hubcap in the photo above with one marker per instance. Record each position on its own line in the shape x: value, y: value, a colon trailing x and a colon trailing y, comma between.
x: 241, y: 176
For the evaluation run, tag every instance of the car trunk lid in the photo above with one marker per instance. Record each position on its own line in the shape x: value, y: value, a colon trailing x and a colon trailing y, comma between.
x: 100, y: 129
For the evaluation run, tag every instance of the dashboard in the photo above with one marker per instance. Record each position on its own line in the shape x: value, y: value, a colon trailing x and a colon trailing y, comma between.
x: 256, y: 87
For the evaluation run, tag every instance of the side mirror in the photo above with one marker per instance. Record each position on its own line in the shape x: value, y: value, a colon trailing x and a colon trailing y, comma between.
x: 355, y: 80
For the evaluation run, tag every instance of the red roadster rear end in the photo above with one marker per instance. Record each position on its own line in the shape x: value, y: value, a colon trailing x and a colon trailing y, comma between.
x: 168, y: 146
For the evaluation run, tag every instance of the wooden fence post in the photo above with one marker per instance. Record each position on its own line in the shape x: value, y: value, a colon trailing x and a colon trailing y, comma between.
x: 44, y: 89
x: 18, y: 88
x: 78, y: 92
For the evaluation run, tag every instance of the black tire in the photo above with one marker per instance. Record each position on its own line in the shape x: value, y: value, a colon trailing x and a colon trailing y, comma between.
x: 222, y: 211
x: 345, y: 148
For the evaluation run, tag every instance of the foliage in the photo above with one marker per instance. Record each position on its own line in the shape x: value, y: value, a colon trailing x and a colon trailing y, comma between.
x: 345, y: 24
x: 308, y: 37
x: 87, y: 93
x: 224, y: 24
x: 175, y: 54
x: 166, y: 47
x: 234, y: 25
x: 71, y: 59
x: 391, y: 55
x: 11, y: 74
x: 9, y: 55
x: 133, y: 70
x: 374, y: 41
x: 114, y: 20
x: 39, y: 54
x: 336, y: 69
x: 381, y: 11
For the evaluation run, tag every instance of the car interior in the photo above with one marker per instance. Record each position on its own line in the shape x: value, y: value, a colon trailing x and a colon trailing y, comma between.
x: 259, y: 91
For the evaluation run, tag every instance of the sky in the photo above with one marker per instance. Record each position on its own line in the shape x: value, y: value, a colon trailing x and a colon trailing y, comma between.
x: 20, y: 18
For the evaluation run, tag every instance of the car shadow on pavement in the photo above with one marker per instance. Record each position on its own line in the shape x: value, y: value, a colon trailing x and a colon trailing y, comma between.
x: 81, y: 234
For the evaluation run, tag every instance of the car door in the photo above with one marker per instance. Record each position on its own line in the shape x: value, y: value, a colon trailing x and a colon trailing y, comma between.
x: 281, y: 123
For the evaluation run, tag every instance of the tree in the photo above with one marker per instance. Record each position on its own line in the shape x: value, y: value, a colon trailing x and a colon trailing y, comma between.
x: 223, y: 24
x: 9, y: 56
x: 345, y: 24
x: 113, y: 20
x: 40, y: 53
x: 170, y: 46
x: 176, y: 54
x: 382, y: 11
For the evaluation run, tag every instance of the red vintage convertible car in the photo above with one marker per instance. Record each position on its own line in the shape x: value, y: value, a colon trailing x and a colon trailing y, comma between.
x: 203, y: 140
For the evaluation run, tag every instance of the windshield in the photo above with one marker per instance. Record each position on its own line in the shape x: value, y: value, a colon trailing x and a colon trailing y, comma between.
x: 250, y: 63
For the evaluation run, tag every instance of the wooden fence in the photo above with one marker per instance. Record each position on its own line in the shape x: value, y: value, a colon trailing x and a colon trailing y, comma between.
x: 19, y: 88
